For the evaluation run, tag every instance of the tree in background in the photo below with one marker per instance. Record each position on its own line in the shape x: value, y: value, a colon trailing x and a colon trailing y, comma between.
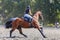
x: 16, y: 8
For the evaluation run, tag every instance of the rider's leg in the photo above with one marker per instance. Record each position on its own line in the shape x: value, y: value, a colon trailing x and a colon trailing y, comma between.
x: 28, y: 17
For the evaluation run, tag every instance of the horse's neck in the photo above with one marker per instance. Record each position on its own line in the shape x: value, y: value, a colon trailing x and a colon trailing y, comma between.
x: 36, y: 16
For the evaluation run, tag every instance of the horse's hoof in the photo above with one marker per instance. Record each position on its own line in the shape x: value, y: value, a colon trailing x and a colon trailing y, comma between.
x: 13, y: 37
x: 45, y: 37
x: 25, y: 36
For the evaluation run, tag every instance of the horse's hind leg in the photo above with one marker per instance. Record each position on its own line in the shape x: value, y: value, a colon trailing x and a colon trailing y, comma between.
x: 11, y: 33
x: 14, y: 26
x: 20, y: 31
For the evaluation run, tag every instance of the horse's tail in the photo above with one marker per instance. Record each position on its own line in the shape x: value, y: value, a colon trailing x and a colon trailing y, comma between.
x: 8, y: 24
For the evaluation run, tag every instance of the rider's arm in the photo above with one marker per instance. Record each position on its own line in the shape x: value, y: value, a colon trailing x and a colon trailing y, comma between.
x: 30, y: 12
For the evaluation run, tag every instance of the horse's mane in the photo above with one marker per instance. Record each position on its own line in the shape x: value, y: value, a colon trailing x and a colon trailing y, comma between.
x: 34, y: 13
x: 38, y: 11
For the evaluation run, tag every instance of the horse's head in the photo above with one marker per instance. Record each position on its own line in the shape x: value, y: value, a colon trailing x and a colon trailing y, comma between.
x: 38, y: 15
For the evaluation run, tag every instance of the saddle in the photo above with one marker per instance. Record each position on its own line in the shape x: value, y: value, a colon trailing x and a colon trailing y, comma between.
x: 28, y: 19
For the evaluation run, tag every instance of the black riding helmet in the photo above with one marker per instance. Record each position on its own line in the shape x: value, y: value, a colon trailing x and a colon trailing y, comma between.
x: 27, y: 10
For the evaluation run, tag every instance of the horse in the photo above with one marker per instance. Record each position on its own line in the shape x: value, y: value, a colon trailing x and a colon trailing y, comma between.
x: 20, y: 23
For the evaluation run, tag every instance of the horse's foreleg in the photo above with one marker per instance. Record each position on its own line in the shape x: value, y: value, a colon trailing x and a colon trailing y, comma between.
x: 20, y: 31
x: 36, y: 24
x: 41, y: 31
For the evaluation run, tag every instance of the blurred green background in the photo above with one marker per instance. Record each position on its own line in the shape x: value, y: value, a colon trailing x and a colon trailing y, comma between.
x: 16, y: 8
